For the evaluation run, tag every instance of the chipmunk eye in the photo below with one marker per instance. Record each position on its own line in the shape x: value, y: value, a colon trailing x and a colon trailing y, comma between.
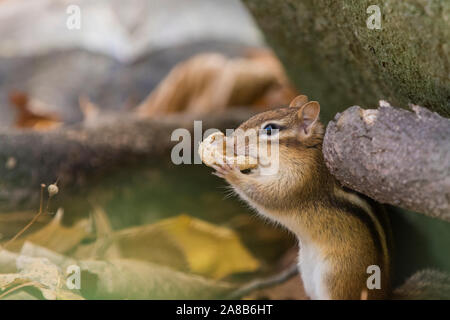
x: 269, y: 127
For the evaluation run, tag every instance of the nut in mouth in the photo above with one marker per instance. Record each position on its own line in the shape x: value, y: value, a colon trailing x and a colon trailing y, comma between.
x: 213, y: 151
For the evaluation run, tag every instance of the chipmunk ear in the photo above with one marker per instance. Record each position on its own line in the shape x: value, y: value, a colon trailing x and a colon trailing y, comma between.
x: 308, y: 115
x: 298, y: 101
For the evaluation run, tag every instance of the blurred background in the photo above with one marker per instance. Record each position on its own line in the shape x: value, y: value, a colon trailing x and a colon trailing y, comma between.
x: 152, y: 59
x: 119, y: 54
x: 158, y: 61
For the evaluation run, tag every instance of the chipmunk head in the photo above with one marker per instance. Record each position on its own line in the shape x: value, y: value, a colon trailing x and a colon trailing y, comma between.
x: 288, y: 149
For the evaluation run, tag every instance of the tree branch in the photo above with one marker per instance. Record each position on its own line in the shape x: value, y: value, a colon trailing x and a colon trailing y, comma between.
x: 73, y: 153
x: 393, y: 155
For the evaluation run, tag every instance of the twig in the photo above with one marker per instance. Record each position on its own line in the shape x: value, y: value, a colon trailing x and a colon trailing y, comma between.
x: 264, y: 283
x: 32, y: 220
x: 26, y: 284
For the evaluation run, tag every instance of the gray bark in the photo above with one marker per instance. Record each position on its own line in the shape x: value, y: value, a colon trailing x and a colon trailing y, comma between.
x: 74, y: 153
x: 394, y: 156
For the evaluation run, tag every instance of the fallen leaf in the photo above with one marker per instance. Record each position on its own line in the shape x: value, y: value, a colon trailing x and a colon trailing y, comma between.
x: 40, y: 274
x: 89, y: 110
x: 145, y: 243
x: 20, y: 295
x: 8, y: 261
x: 211, y: 82
x: 210, y: 250
x: 33, y: 250
x: 183, y: 243
x: 12, y: 222
x: 32, y: 113
x: 103, y: 230
x: 55, y: 236
x: 131, y: 279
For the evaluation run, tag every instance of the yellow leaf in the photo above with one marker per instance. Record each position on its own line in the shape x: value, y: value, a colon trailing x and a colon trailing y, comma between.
x: 210, y: 250
x: 55, y: 236
x: 147, y: 243
x: 184, y: 243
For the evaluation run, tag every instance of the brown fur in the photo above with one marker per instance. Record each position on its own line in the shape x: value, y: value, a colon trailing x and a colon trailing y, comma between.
x: 306, y: 199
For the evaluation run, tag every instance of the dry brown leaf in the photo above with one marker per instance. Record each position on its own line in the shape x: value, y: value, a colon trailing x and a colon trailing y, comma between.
x: 114, y: 278
x: 20, y: 295
x: 31, y: 113
x: 39, y: 273
x: 89, y: 109
x: 212, y: 82
x: 55, y: 236
x: 33, y: 250
x: 92, y: 114
x: 8, y: 261
x: 145, y: 243
x: 103, y: 230
x: 183, y: 242
x: 142, y: 243
x: 12, y: 222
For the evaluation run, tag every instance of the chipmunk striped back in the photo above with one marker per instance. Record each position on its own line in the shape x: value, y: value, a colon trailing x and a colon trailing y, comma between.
x: 341, y: 233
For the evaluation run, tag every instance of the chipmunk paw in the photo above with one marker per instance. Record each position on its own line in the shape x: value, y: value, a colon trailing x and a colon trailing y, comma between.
x: 226, y: 171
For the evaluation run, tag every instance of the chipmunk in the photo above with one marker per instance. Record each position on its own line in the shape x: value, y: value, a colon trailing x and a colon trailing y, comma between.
x: 340, y: 232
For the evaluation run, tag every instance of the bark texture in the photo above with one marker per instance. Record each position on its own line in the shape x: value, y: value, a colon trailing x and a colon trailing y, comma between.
x: 394, y: 156
x: 74, y: 153
x: 334, y: 58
